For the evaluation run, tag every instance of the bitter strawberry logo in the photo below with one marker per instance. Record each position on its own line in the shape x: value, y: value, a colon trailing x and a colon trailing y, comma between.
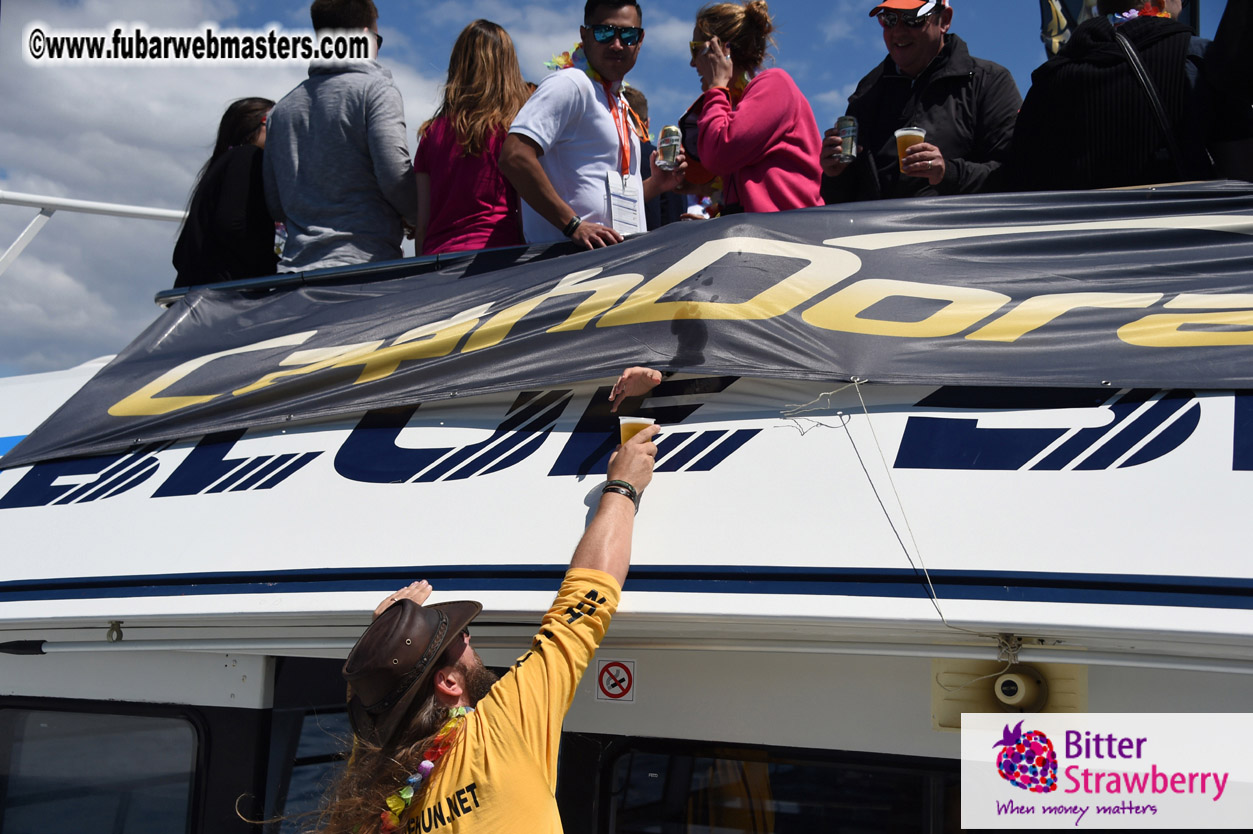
x: 1027, y: 760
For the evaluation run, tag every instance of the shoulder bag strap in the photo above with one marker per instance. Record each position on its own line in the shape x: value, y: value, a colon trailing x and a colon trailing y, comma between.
x: 1150, y: 90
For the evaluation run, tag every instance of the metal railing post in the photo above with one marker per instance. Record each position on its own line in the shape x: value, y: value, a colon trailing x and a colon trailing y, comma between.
x: 50, y: 205
x: 24, y: 239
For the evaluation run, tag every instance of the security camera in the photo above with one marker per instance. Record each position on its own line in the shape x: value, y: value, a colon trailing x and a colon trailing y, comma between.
x: 1021, y: 689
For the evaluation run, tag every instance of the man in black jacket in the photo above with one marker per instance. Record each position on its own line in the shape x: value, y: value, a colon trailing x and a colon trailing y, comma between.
x: 929, y: 79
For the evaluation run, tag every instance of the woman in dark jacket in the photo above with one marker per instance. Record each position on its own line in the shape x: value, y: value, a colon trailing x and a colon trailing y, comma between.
x: 229, y: 233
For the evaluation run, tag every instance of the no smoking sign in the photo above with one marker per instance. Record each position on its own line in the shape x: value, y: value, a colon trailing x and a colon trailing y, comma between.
x: 615, y: 680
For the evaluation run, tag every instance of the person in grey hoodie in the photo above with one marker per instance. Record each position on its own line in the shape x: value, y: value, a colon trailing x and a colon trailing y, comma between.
x: 337, y: 167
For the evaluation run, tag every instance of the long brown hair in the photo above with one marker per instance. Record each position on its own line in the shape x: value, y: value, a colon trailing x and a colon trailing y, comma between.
x: 374, y: 773
x: 485, y: 88
x: 240, y: 124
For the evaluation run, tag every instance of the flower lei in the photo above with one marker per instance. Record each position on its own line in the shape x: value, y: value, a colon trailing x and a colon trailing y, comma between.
x: 574, y: 59
x: 401, y: 799
x: 1153, y: 8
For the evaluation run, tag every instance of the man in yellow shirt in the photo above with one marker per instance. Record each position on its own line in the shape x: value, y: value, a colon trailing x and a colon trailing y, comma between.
x: 440, y: 744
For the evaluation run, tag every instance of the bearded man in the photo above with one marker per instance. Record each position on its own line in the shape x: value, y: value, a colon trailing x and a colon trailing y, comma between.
x: 440, y: 743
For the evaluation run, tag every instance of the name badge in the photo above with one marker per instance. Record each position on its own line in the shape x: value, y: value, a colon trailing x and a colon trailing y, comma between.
x: 624, y: 212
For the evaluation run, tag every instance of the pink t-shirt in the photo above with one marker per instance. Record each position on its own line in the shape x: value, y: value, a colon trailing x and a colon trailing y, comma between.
x: 473, y: 206
x: 766, y: 148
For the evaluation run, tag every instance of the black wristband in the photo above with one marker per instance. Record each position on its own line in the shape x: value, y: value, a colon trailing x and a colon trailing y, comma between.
x: 568, y: 231
x: 631, y: 491
x: 623, y: 492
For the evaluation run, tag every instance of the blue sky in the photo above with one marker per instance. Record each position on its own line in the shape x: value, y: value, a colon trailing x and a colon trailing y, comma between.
x: 138, y: 134
x: 826, y: 46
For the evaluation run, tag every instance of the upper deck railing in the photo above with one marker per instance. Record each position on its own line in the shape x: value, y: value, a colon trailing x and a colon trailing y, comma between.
x: 49, y: 206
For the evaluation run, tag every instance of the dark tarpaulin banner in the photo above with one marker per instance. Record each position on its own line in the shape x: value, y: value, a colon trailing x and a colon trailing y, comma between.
x: 1140, y: 288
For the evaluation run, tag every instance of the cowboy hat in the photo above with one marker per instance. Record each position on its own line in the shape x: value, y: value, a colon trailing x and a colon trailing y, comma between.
x: 393, y: 658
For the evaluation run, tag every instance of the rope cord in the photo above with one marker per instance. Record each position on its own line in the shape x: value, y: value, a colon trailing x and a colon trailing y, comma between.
x: 791, y: 413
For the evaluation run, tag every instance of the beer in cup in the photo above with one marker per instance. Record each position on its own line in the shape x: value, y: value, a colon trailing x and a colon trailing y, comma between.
x: 906, y: 138
x: 631, y: 426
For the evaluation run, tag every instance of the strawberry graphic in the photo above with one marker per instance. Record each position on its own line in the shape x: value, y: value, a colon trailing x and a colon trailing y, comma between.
x: 1027, y: 760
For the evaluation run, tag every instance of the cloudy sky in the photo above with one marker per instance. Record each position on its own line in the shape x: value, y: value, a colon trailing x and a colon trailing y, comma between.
x: 138, y: 134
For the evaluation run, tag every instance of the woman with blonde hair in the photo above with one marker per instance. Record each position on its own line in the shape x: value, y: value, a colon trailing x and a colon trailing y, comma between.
x: 754, y: 128
x: 463, y: 200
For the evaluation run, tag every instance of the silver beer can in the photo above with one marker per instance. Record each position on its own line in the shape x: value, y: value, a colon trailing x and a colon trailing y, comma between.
x: 668, y: 144
x: 847, y: 127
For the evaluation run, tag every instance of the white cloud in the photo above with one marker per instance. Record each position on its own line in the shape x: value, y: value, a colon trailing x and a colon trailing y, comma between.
x: 123, y: 134
x: 847, y: 20
x: 53, y: 319
x: 834, y: 100
x: 138, y: 134
x: 837, y: 29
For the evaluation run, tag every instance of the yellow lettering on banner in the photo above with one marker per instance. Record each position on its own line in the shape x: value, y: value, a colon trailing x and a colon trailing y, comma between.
x: 826, y: 267
x: 604, y: 293
x: 430, y: 340
x: 425, y: 342
x: 1165, y: 329
x: 308, y: 361
x: 1039, y: 310
x: 146, y: 403
x: 842, y: 311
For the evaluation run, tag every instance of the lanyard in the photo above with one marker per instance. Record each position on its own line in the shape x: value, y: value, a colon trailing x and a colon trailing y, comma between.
x: 624, y: 136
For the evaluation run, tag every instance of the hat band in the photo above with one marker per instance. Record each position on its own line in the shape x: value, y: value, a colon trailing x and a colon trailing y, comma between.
x: 437, y: 641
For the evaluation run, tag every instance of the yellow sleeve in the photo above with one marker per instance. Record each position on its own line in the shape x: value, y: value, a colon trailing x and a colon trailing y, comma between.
x: 536, y: 693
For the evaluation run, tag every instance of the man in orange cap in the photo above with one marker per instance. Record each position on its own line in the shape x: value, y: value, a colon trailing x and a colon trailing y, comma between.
x: 966, y: 105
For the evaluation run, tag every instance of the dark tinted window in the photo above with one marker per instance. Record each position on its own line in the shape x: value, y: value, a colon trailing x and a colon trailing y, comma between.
x: 92, y: 772
x: 730, y: 790
x: 323, y: 741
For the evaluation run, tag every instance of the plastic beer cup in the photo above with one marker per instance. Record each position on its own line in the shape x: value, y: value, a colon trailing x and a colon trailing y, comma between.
x: 631, y: 426
x: 906, y: 138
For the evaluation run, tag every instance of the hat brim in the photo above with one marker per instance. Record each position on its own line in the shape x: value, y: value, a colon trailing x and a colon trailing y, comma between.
x: 380, y: 729
x: 898, y: 5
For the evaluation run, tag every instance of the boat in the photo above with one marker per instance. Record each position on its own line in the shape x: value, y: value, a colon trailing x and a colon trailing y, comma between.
x: 918, y: 458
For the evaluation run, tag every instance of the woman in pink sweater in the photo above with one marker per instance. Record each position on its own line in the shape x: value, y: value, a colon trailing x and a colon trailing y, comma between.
x: 756, y: 130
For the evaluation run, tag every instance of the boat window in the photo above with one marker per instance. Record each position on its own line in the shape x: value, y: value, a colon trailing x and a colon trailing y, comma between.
x: 722, y: 790
x: 310, y: 739
x: 95, y: 772
x: 322, y: 744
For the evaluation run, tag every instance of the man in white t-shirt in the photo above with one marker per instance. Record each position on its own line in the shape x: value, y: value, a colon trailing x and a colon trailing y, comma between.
x: 572, y: 152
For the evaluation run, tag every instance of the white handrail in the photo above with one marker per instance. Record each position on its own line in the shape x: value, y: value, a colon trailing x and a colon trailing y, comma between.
x: 40, y: 201
x: 47, y: 206
x: 341, y: 645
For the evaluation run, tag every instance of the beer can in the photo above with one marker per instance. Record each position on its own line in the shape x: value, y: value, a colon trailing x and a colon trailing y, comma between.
x: 847, y: 127
x: 668, y: 145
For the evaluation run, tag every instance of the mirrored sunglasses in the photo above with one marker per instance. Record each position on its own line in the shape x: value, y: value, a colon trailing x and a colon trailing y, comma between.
x: 889, y: 19
x: 605, y: 33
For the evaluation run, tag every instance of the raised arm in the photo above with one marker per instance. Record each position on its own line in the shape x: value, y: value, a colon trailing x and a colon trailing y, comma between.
x: 606, y: 544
